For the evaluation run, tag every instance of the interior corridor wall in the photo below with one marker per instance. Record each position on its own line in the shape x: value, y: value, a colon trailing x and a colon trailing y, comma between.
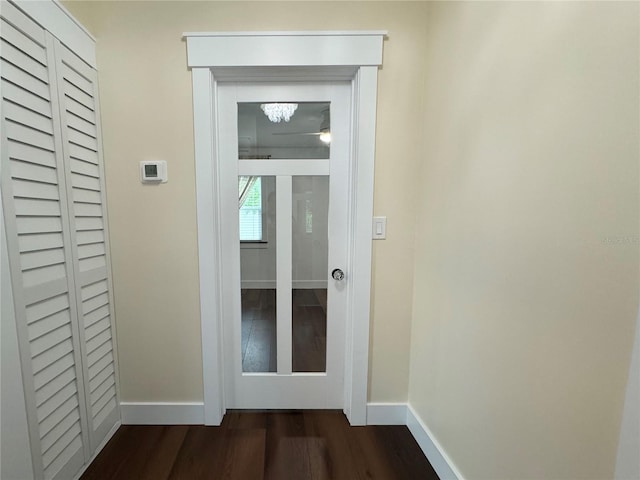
x: 527, y: 246
x: 146, y: 99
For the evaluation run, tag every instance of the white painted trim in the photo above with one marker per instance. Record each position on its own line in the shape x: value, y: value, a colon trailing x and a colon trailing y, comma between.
x: 270, y: 284
x: 192, y: 413
x: 98, y: 449
x: 303, y: 33
x: 404, y: 414
x: 209, y: 255
x: 185, y: 413
x: 435, y: 453
x: 283, y: 167
x: 362, y: 172
x: 386, y: 414
x: 52, y: 16
x: 328, y: 53
x: 269, y: 49
x: 628, y: 458
x: 284, y: 264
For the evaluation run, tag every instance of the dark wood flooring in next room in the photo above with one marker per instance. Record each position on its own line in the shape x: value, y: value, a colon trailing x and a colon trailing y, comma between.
x: 297, y: 445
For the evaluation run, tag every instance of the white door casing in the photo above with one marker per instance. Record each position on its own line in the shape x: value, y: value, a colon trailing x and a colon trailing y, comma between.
x: 285, y: 56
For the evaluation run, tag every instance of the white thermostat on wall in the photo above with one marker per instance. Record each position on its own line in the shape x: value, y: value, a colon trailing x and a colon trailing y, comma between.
x: 153, y: 171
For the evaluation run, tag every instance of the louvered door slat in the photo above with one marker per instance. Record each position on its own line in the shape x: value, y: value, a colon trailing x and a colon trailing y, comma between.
x: 65, y: 400
x: 81, y: 125
x: 21, y: 41
x: 44, y: 241
x: 85, y: 168
x: 51, y: 417
x: 29, y: 225
x: 97, y: 328
x: 27, y: 63
x: 102, y: 389
x: 21, y: 22
x: 71, y: 91
x: 36, y: 207
x: 94, y: 289
x: 38, y: 236
x: 70, y: 419
x: 19, y: 152
x: 83, y: 140
x: 52, y: 355
x: 43, y: 191
x: 88, y: 210
x: 48, y: 324
x: 47, y: 393
x: 80, y: 111
x: 85, y: 182
x: 23, y: 96
x: 55, y: 337
x: 95, y: 302
x: 29, y: 136
x: 66, y: 439
x: 34, y: 172
x: 93, y: 316
x: 24, y: 116
x: 86, y: 196
x: 24, y: 80
x: 101, y: 374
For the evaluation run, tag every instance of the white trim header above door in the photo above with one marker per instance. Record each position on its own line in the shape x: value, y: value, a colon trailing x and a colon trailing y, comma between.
x: 271, y: 49
x: 264, y: 57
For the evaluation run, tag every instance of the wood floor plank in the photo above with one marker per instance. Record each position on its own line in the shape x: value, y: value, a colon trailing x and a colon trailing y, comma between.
x: 162, y: 455
x: 403, y: 452
x: 267, y: 445
x: 340, y: 454
x: 200, y: 455
x: 126, y: 450
x: 244, y: 459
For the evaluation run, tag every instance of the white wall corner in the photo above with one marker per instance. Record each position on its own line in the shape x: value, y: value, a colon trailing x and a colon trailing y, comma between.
x: 187, y: 413
x: 437, y: 456
x: 403, y: 414
x: 628, y: 458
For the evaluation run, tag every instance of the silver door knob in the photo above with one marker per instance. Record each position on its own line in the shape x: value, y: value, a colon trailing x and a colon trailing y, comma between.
x: 337, y: 274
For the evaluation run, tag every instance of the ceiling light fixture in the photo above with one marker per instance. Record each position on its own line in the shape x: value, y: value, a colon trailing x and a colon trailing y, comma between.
x: 279, y: 111
x: 325, y: 137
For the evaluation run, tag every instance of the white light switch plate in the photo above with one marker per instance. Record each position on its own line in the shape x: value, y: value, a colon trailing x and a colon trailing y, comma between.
x: 379, y: 228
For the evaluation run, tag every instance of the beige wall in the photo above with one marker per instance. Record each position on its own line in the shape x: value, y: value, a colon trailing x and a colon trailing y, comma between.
x: 507, y: 148
x: 526, y: 284
x: 145, y: 91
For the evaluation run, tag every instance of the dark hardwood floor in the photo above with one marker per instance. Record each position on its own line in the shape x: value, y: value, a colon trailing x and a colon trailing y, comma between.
x: 276, y: 445
x: 309, y: 330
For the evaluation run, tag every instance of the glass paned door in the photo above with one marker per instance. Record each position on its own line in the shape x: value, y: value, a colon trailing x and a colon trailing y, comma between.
x: 284, y: 172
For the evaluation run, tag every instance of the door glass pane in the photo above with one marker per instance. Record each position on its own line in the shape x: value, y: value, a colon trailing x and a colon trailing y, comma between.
x: 284, y: 130
x: 257, y: 211
x: 309, y: 265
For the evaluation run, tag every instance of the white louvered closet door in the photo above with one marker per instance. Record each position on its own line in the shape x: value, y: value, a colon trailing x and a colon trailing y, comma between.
x: 38, y: 238
x: 87, y: 206
x: 55, y: 219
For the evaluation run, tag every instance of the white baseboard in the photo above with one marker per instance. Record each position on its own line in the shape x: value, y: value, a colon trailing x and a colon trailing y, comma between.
x: 432, y: 449
x: 187, y: 413
x: 192, y: 413
x: 271, y: 284
x: 99, y: 449
x: 403, y: 414
x: 386, y: 413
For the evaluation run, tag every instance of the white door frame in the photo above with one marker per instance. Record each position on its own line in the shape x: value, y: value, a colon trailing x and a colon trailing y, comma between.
x: 290, y: 56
